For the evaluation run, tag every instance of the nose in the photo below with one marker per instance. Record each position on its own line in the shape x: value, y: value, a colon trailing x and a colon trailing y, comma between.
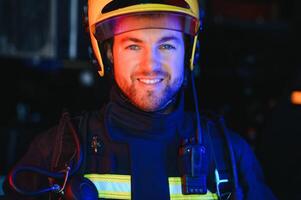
x: 151, y: 60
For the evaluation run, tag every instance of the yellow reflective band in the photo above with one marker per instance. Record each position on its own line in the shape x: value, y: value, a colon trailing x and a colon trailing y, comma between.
x: 111, y: 186
x: 175, y: 191
x: 114, y: 186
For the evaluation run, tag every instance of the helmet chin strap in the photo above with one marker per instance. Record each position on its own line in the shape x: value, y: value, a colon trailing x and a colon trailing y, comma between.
x: 168, y: 107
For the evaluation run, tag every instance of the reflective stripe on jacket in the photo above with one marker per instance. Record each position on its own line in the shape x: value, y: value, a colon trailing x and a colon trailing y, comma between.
x: 113, y: 186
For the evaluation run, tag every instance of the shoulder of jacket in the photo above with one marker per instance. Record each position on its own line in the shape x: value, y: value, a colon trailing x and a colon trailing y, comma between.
x: 50, y: 135
x: 78, y: 117
x: 211, y: 119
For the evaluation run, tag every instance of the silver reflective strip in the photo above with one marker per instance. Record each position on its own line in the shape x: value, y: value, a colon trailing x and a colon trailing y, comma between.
x: 175, y: 189
x: 112, y: 186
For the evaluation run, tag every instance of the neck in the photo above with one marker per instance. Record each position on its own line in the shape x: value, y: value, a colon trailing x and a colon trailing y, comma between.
x: 124, y: 114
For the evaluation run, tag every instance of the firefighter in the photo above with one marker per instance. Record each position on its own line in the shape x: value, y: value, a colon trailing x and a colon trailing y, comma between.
x: 142, y: 144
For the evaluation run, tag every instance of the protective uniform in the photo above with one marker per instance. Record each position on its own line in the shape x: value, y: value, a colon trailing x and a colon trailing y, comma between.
x: 130, y: 153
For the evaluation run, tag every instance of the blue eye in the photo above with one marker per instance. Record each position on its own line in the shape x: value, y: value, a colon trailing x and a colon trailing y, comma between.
x: 133, y: 47
x: 167, y: 46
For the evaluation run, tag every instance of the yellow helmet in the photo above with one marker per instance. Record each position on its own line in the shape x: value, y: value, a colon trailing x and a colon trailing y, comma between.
x: 102, y: 15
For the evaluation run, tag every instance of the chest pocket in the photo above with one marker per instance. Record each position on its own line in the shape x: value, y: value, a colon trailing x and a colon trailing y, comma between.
x: 113, y: 186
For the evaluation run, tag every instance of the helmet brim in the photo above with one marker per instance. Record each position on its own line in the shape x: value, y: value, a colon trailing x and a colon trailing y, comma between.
x: 155, y: 20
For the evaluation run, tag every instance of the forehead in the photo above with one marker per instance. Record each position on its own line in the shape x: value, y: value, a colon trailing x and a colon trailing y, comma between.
x: 150, y: 36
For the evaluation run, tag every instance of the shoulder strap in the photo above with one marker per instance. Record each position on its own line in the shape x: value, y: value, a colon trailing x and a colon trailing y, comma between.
x: 58, y: 141
x: 83, y: 135
x: 220, y: 157
x: 65, y: 145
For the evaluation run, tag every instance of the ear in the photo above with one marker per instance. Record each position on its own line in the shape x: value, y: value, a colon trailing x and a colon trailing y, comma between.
x: 109, y: 53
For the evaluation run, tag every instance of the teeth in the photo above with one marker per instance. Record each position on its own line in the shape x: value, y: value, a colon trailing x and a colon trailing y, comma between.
x: 150, y: 81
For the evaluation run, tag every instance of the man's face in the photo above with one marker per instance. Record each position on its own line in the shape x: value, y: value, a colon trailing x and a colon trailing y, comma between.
x: 149, y: 65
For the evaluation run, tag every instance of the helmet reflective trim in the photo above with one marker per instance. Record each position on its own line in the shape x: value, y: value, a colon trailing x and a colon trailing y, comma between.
x: 114, y: 26
x: 117, y: 4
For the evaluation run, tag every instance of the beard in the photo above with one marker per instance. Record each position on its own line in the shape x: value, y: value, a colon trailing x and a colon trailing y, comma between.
x: 152, y: 100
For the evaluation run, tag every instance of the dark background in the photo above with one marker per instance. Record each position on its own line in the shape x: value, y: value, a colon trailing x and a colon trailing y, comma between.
x: 249, y: 65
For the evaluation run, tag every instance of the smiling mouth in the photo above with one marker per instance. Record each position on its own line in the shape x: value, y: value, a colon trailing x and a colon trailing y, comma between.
x: 152, y: 81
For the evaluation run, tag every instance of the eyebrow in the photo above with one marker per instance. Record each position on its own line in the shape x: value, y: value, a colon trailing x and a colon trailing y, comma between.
x: 169, y: 38
x: 131, y: 39
x: 162, y: 40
